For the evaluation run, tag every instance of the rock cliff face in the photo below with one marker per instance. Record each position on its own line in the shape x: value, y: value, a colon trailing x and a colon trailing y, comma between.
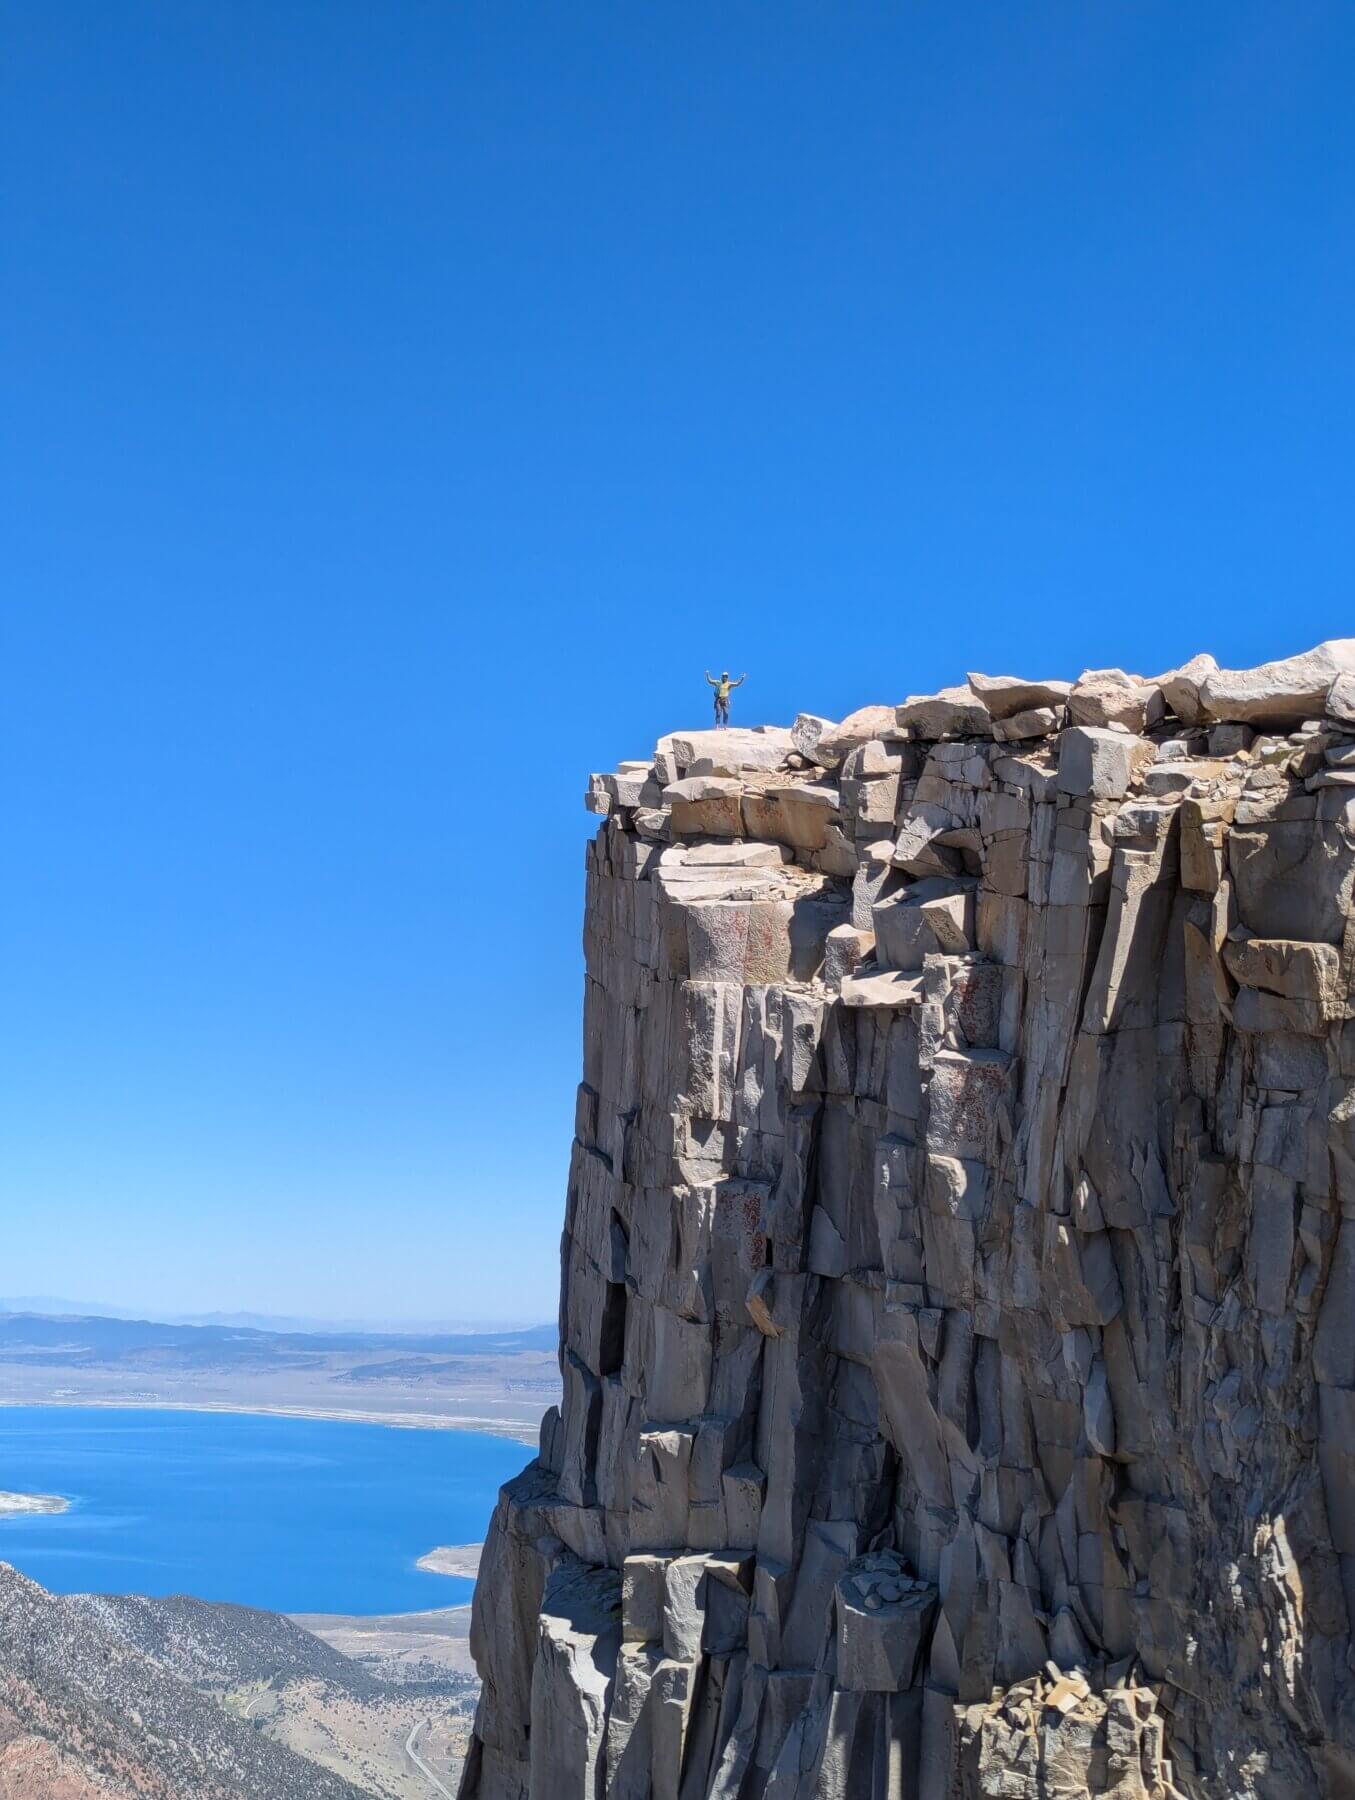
x: 958, y: 1312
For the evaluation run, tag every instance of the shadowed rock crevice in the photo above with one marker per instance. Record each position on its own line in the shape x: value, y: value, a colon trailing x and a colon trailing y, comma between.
x: 958, y: 1317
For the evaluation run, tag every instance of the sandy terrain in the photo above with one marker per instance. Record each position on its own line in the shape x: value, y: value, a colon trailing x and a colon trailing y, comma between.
x: 381, y: 1742
x: 498, y: 1383
x: 497, y: 1400
x: 421, y: 1644
x: 366, y: 1739
x: 413, y: 1420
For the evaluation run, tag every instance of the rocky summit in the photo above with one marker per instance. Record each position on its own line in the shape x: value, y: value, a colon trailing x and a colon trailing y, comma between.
x: 958, y: 1317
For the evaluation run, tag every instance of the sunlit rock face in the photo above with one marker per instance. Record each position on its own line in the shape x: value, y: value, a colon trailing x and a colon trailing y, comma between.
x: 958, y: 1318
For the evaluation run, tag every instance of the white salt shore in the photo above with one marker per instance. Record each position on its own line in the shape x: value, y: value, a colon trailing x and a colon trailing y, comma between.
x: 11, y: 1504
x: 453, y: 1559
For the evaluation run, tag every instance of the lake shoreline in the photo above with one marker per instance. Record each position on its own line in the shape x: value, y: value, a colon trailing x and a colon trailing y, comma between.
x: 502, y: 1428
x: 453, y: 1559
x: 283, y: 1514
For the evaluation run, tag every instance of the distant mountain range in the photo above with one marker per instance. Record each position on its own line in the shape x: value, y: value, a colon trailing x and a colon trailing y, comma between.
x: 58, y: 1306
x: 499, y: 1381
x: 96, y: 1337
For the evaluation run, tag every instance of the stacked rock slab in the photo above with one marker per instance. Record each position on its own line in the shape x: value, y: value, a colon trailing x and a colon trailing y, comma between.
x: 958, y: 1310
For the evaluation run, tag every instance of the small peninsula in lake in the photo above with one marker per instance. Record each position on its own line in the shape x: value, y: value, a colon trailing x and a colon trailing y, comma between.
x: 31, y: 1503
x: 453, y: 1559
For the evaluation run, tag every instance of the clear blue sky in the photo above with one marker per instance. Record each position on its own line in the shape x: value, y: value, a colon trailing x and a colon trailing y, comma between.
x: 404, y: 402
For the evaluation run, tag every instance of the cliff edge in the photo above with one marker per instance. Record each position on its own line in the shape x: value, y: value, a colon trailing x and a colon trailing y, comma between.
x: 958, y: 1316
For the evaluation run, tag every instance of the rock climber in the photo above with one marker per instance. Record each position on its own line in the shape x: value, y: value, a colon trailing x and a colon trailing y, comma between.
x: 723, y: 688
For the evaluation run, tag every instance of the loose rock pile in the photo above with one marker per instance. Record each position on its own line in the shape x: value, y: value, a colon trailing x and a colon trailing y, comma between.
x: 958, y: 1316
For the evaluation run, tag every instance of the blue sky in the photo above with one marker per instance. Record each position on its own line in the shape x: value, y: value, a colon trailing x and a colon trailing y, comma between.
x: 405, y: 402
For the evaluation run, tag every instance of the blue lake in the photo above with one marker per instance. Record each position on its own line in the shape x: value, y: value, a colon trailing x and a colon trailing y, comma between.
x: 295, y: 1515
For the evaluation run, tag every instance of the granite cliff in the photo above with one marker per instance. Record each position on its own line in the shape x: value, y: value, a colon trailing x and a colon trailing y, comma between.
x: 958, y: 1310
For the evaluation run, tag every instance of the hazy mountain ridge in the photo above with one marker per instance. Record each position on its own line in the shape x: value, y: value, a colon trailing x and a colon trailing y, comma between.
x: 59, y: 1306
x: 496, y: 1381
x: 97, y: 1337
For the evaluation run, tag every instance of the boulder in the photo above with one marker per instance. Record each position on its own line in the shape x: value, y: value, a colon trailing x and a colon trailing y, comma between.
x: 1004, y: 695
x: 878, y: 758
x: 1275, y: 693
x: 868, y: 722
x: 954, y: 712
x: 735, y: 747
x: 1033, y: 722
x: 806, y: 732
x: 1106, y: 697
x: 1167, y: 779
x: 1181, y: 687
x: 1230, y: 738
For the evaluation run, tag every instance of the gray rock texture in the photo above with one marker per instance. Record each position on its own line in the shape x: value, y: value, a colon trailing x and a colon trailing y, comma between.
x: 958, y: 1307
